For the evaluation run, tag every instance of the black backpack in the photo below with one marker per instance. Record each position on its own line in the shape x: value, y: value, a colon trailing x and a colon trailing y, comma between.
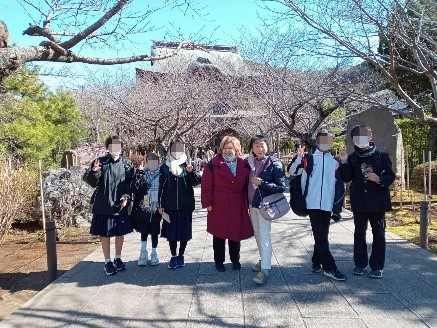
x: 297, y: 197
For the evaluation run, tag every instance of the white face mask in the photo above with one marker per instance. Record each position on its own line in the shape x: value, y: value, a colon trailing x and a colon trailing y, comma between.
x: 177, y: 154
x: 152, y: 165
x: 324, y: 147
x: 114, y: 154
x: 361, y: 141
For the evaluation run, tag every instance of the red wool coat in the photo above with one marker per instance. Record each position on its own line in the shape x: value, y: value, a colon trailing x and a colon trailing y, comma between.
x: 229, y: 218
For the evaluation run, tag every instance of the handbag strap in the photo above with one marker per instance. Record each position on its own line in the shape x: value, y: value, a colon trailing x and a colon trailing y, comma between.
x: 262, y: 169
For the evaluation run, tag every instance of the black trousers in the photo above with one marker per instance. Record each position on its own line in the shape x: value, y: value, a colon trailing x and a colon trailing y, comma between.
x: 219, y: 245
x: 320, y: 221
x: 377, y: 222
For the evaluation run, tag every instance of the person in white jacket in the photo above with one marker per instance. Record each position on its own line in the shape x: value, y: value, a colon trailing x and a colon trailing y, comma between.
x: 324, y: 199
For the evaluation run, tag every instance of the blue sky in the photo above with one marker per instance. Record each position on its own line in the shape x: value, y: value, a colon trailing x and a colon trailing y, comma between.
x: 219, y: 22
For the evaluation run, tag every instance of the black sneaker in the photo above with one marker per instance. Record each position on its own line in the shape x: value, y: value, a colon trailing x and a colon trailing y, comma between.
x: 358, y: 271
x: 119, y: 265
x: 335, y: 274
x: 316, y: 268
x: 375, y: 274
x: 236, y: 266
x: 220, y: 267
x: 180, y: 261
x: 110, y: 269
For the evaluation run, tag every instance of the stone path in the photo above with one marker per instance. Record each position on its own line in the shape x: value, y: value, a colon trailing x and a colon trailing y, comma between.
x: 199, y: 296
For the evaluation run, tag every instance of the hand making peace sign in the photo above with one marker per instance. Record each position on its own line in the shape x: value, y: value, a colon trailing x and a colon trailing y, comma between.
x: 96, y: 166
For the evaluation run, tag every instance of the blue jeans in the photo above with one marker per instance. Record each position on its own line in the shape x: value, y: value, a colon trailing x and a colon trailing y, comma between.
x: 377, y: 222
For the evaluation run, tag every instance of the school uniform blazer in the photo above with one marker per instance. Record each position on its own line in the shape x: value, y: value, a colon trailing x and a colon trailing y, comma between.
x: 367, y: 196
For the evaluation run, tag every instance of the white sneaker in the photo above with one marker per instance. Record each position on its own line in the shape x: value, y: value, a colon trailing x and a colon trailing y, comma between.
x: 142, y: 260
x: 154, y: 259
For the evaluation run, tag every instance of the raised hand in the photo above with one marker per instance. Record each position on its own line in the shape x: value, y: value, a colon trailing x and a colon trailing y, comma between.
x: 141, y: 166
x: 96, y: 166
x: 189, y: 165
x: 160, y: 210
x: 301, y: 151
x: 342, y: 155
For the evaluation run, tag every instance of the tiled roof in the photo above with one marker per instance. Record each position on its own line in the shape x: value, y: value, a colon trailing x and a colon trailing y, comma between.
x: 224, y: 58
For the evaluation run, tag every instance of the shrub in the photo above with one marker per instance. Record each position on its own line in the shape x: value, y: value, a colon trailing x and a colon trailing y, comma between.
x: 17, y: 193
x: 416, y: 179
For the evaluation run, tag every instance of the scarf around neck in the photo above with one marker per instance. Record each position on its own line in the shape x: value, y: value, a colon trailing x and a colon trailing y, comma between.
x: 369, y: 151
x: 232, y: 164
x: 175, y: 164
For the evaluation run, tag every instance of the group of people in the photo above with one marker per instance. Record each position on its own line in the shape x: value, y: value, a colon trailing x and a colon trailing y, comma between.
x: 140, y: 194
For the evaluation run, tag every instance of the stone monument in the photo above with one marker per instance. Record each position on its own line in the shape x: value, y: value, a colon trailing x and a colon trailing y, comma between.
x: 386, y: 135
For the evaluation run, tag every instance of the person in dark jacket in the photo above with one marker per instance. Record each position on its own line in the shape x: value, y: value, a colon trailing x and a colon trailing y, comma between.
x: 224, y: 195
x: 324, y: 199
x: 371, y: 173
x: 176, y: 198
x: 145, y: 214
x: 111, y: 175
x: 266, y: 178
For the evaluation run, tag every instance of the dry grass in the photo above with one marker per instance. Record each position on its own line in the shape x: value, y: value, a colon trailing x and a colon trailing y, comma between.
x: 405, y: 222
x: 17, y: 193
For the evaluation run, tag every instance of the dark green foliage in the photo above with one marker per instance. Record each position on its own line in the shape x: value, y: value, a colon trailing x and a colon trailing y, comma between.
x: 415, y: 140
x: 36, y: 123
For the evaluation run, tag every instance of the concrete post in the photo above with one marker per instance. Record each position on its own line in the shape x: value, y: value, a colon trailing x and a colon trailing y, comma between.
x: 52, y: 260
x: 424, y: 205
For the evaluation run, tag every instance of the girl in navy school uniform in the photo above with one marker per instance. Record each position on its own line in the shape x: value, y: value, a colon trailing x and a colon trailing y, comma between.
x: 145, y: 214
x: 176, y: 197
x: 111, y: 176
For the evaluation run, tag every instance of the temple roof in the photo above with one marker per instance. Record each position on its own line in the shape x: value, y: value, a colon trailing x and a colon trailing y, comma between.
x: 226, y: 59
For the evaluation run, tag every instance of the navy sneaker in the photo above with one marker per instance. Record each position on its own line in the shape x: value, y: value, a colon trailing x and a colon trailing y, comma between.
x: 172, y: 264
x: 358, y: 271
x: 335, y: 274
x: 316, y: 268
x: 220, y: 267
x: 375, y: 274
x: 180, y: 261
x: 110, y: 269
x: 119, y: 265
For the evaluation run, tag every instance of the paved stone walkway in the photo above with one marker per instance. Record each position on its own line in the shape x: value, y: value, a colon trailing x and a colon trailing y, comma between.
x: 199, y: 296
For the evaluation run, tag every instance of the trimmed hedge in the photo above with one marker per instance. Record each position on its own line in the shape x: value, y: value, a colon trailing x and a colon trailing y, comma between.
x: 416, y: 178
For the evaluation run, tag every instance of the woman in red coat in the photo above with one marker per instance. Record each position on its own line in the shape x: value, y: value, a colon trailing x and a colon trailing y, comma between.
x: 224, y: 195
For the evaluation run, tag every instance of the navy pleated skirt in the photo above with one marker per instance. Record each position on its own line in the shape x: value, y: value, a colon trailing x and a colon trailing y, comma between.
x: 147, y: 227
x: 111, y: 225
x: 180, y: 227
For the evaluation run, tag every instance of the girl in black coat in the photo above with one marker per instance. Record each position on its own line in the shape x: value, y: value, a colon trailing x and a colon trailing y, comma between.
x: 176, y: 198
x: 111, y: 175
